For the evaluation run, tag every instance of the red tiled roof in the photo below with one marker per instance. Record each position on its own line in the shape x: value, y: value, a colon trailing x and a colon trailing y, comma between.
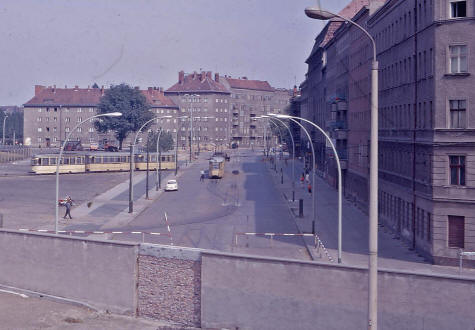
x: 156, y: 98
x: 198, y: 82
x: 65, y: 96
x: 250, y: 84
x: 88, y: 97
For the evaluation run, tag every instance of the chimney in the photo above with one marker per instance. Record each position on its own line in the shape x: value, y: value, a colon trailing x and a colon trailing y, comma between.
x: 194, y: 75
x: 137, y: 88
x: 181, y: 77
x: 161, y: 89
x: 202, y: 76
x: 54, y: 88
x: 102, y: 90
x: 216, y: 77
x: 76, y: 87
x: 208, y: 74
x: 150, y: 89
x: 38, y: 89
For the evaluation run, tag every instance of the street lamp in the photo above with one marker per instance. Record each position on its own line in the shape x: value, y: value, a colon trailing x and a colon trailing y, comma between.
x: 339, y: 177
x: 317, y: 13
x: 132, y: 155
x: 191, y: 122
x: 3, y: 138
x: 293, y: 150
x: 58, y: 161
x: 314, y: 207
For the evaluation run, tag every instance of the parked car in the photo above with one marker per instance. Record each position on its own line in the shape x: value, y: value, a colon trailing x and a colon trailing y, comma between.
x: 94, y: 146
x: 108, y: 147
x: 73, y: 146
x: 171, y: 185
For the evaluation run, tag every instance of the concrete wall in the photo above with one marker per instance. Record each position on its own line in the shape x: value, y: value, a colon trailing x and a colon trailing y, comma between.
x: 194, y: 287
x: 170, y: 284
x: 102, y: 274
x: 257, y: 293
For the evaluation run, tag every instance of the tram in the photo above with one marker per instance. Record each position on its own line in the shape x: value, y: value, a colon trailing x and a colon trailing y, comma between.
x: 98, y: 162
x: 216, y: 167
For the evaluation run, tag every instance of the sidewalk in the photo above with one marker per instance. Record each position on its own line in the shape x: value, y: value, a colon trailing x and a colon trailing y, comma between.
x: 392, y: 253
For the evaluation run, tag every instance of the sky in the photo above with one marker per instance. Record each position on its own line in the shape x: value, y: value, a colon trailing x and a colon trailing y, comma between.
x: 146, y: 42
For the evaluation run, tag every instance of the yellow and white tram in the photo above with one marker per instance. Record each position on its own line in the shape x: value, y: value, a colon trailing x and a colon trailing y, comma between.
x: 46, y: 163
x: 98, y: 162
x: 216, y: 167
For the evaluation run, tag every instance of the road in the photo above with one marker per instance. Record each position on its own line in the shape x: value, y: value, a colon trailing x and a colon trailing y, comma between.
x: 209, y: 214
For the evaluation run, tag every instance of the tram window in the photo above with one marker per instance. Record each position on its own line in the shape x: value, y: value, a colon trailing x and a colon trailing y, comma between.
x: 72, y: 160
x: 65, y: 161
x: 123, y: 159
x: 52, y: 161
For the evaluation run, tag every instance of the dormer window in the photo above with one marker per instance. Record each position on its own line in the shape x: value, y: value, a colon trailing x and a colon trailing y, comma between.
x: 458, y: 9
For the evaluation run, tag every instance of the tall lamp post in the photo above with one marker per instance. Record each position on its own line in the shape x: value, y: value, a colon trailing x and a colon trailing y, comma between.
x: 132, y: 155
x: 158, y: 179
x: 293, y: 151
x: 317, y: 13
x: 3, y: 137
x: 191, y: 120
x: 58, y: 161
x: 338, y: 164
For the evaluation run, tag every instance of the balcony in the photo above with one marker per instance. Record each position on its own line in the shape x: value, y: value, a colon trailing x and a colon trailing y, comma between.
x: 340, y: 134
x: 336, y: 124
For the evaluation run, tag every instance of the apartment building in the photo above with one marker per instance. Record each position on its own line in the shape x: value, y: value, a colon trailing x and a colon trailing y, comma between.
x: 53, y: 112
x: 426, y: 135
x: 204, y: 104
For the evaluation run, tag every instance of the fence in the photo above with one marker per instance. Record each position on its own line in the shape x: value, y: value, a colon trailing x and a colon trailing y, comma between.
x: 13, y: 153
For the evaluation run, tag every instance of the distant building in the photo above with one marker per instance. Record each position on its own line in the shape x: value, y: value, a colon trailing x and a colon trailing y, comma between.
x: 206, y: 99
x: 426, y: 132
x: 53, y: 112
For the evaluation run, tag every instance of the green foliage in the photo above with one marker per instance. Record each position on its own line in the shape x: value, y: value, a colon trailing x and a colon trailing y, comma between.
x: 14, y: 123
x: 166, y: 141
x: 133, y: 105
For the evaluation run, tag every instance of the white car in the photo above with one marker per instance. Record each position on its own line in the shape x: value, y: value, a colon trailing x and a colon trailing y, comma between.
x: 171, y: 185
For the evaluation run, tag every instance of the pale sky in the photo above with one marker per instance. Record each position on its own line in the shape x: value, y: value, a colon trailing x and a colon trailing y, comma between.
x: 146, y: 42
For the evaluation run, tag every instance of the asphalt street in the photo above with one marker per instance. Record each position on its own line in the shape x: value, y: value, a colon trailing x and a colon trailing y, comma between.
x: 210, y: 214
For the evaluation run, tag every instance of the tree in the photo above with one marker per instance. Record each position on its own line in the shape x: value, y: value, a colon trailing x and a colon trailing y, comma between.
x: 166, y: 141
x: 133, y: 105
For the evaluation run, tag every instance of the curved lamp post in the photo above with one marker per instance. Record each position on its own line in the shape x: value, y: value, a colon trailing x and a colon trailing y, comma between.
x: 339, y: 178
x: 293, y: 150
x: 317, y: 13
x: 132, y: 155
x: 3, y: 138
x: 58, y: 161
x: 314, y: 206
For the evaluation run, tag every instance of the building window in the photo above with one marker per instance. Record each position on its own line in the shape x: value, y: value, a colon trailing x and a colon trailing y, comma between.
x: 66, y: 129
x: 79, y: 119
x: 91, y: 109
x: 456, y: 231
x: 38, y: 119
x: 40, y: 129
x: 39, y: 109
x: 55, y: 139
x: 458, y: 59
x: 91, y: 129
x: 79, y: 129
x: 79, y: 109
x: 458, y: 9
x: 54, y: 129
x: 67, y: 119
x: 458, y: 110
x: 39, y: 140
x: 457, y: 170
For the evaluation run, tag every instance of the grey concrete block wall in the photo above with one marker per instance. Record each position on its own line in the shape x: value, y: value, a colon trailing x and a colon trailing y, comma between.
x: 257, y: 293
x: 102, y: 274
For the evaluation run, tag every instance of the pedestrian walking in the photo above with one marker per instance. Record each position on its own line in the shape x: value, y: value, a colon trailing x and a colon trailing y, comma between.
x: 307, y: 178
x: 202, y: 176
x: 309, y: 188
x: 302, y: 178
x: 69, y: 205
